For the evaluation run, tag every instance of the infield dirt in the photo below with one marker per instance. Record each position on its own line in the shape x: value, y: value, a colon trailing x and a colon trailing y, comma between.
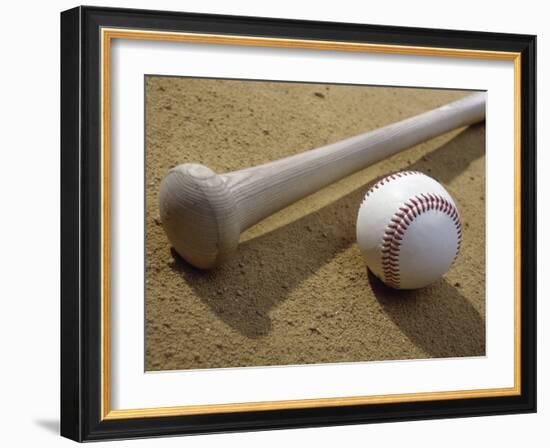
x: 297, y: 291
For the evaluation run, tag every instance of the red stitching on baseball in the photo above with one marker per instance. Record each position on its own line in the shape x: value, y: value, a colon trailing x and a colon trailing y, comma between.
x: 402, y: 219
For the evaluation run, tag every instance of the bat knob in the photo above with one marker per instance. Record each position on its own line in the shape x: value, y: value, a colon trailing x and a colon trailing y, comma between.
x: 199, y: 214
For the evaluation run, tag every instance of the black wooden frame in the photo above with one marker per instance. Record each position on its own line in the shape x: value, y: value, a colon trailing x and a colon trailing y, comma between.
x: 80, y: 223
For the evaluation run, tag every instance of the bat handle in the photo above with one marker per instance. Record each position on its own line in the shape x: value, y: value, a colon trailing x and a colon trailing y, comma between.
x: 262, y: 190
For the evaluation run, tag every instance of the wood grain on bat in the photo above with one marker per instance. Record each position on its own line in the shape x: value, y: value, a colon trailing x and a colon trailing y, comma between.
x: 203, y: 213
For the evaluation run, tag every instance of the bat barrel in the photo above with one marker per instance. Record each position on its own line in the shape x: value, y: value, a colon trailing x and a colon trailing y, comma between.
x: 199, y: 214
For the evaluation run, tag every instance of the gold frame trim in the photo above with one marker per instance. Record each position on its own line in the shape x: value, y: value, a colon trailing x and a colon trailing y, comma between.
x: 107, y: 35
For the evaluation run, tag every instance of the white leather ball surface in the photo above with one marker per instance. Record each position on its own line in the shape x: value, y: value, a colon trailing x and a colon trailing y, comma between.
x: 408, y: 230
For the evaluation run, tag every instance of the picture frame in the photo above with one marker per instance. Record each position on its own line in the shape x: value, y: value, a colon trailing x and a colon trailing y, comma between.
x: 87, y: 35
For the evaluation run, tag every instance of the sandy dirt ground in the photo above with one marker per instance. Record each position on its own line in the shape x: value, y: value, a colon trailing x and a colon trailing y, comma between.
x: 297, y: 291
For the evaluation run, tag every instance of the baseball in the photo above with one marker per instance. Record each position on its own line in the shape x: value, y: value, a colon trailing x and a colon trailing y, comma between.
x: 408, y: 230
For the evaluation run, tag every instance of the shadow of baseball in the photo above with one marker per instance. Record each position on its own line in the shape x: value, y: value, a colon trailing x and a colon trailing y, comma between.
x: 438, y: 319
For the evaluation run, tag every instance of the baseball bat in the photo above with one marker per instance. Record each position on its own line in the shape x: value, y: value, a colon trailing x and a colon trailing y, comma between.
x: 203, y: 213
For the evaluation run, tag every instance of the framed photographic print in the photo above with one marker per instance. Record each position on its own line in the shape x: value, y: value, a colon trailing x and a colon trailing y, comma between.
x: 271, y: 223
